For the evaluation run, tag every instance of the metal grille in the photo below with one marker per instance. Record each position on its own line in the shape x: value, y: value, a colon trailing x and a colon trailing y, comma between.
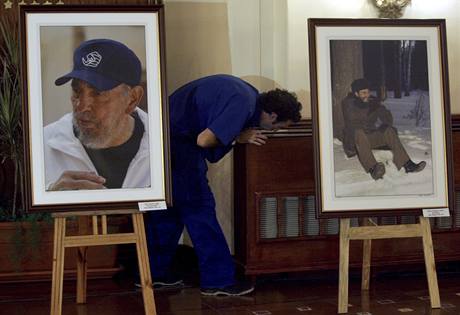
x: 444, y: 223
x: 294, y: 215
x: 310, y: 224
x: 268, y: 223
x: 387, y: 221
x: 457, y: 209
x: 290, y: 217
x: 354, y: 222
x: 406, y: 219
x: 330, y: 227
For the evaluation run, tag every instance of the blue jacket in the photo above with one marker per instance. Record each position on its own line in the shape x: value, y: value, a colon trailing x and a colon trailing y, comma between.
x: 223, y: 103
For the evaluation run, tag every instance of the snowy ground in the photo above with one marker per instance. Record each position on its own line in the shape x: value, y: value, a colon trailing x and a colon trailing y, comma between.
x: 352, y: 180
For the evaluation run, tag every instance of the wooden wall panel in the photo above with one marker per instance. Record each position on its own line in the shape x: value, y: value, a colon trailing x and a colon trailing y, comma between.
x: 288, y: 162
x: 285, y: 164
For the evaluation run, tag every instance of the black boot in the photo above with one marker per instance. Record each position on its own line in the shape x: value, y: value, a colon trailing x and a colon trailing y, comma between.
x: 411, y: 167
x: 377, y: 171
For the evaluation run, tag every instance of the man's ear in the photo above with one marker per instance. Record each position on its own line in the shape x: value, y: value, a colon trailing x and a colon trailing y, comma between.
x: 273, y: 117
x: 135, y: 96
x: 356, y: 94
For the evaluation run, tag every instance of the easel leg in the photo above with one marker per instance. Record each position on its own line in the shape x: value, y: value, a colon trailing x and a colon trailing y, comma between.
x: 429, y: 263
x: 344, y: 263
x: 58, y: 266
x: 82, y: 268
x: 144, y: 265
x: 365, y: 301
x: 366, y: 272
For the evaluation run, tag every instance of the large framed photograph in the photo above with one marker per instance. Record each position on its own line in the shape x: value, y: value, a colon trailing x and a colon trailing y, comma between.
x: 381, y: 116
x: 94, y: 107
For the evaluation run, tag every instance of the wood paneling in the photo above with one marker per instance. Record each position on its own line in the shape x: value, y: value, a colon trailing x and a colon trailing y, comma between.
x: 285, y: 165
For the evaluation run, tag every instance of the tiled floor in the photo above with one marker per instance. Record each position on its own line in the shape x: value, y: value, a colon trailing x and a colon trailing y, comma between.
x: 289, y: 295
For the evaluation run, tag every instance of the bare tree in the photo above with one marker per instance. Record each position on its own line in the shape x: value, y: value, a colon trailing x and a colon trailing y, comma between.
x: 382, y: 90
x: 407, y: 48
x: 347, y: 65
x: 397, y: 50
x: 421, y: 110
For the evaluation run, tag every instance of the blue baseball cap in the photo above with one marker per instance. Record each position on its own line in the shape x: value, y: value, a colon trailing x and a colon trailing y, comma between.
x: 104, y: 64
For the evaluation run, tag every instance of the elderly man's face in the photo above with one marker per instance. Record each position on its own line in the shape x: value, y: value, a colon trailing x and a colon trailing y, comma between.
x: 100, y: 117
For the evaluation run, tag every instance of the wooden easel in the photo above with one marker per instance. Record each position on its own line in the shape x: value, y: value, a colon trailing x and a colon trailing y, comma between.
x: 61, y: 242
x: 368, y: 233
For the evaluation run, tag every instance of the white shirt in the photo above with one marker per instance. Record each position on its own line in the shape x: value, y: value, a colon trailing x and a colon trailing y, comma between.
x: 64, y: 152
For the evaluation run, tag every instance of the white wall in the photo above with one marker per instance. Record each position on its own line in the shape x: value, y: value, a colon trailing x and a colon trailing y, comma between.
x: 273, y: 53
x: 208, y: 37
x: 244, y: 28
x: 298, y: 11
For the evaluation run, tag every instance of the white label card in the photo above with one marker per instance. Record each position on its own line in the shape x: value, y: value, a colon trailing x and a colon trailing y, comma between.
x: 434, y: 213
x: 152, y: 205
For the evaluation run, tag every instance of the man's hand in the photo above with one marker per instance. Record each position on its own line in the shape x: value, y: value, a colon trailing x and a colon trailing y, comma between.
x: 252, y: 136
x: 73, y: 180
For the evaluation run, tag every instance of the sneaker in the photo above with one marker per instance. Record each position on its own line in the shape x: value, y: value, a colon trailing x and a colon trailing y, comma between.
x: 168, y: 284
x: 411, y: 167
x: 377, y: 171
x: 231, y: 290
x: 164, y: 283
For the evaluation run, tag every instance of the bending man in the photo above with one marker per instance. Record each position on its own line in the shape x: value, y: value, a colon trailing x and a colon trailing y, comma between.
x: 207, y: 116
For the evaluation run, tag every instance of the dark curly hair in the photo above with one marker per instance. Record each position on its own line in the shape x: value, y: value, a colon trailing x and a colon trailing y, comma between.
x: 281, y: 102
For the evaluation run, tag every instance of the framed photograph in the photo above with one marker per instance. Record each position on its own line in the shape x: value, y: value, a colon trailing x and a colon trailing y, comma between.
x: 381, y: 116
x: 95, y: 115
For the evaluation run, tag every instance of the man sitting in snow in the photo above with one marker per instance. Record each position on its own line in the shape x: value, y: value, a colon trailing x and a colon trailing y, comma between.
x: 361, y: 133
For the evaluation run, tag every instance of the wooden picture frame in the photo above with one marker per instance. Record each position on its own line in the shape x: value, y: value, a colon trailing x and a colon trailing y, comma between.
x: 52, y: 38
x: 364, y: 142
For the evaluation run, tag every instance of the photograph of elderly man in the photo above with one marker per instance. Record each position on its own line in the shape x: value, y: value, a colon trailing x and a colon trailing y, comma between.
x: 103, y: 142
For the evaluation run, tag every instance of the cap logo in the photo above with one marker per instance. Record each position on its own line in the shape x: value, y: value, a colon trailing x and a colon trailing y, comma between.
x: 93, y: 59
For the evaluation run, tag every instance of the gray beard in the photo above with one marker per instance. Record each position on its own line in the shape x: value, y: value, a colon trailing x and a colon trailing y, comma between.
x: 90, y: 141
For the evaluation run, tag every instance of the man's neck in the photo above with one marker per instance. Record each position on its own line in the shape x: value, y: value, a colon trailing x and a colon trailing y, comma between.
x: 125, y: 128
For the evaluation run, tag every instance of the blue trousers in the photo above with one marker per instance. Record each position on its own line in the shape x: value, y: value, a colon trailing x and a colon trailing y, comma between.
x: 194, y: 207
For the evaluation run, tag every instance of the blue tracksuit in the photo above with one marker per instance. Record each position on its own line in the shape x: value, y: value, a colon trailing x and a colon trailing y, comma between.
x: 226, y: 105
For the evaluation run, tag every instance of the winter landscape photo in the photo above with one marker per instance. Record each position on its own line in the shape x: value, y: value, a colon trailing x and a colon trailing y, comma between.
x: 382, y: 142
